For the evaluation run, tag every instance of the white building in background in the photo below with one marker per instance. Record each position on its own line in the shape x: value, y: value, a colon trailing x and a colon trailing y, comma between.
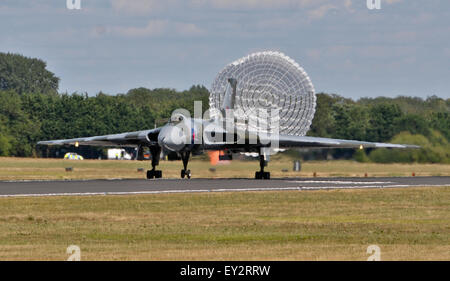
x: 118, y: 154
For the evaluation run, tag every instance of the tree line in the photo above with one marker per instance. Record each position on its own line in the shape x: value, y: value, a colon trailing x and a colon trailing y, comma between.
x: 407, y: 120
x: 31, y: 109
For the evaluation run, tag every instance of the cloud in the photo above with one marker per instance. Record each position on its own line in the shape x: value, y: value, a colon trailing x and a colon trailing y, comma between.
x: 313, y: 54
x: 150, y: 6
x: 140, y: 6
x: 153, y: 28
x: 252, y: 4
x: 321, y: 11
x: 188, y: 29
x: 270, y: 23
x: 349, y: 5
x: 99, y: 30
x: 325, y: 53
x: 398, y: 37
x: 315, y: 9
x: 385, y: 51
x: 393, y: 1
x: 339, y: 50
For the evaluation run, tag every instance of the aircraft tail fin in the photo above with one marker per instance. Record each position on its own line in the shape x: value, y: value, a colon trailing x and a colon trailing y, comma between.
x: 230, y: 95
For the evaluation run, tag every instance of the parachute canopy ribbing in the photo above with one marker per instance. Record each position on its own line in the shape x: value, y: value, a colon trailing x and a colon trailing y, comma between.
x: 268, y: 81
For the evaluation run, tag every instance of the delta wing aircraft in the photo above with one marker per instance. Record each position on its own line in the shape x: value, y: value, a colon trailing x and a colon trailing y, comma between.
x: 247, y: 80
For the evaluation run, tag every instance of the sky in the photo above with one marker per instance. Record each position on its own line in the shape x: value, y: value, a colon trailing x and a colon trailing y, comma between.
x: 345, y: 47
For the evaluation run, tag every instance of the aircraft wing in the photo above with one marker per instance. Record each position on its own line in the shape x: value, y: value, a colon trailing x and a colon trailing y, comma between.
x: 146, y: 137
x: 315, y: 142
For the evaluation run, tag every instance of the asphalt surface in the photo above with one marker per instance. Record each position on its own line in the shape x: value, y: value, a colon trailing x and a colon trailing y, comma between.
x: 102, y: 187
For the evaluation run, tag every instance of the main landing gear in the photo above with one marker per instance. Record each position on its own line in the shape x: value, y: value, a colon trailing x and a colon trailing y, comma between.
x: 153, y: 173
x: 261, y: 174
x: 185, y: 157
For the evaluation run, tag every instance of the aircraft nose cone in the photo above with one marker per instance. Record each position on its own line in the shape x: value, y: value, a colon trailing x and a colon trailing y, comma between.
x: 172, y: 138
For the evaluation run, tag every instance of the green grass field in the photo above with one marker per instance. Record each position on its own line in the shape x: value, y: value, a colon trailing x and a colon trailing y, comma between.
x: 407, y: 224
x: 32, y: 168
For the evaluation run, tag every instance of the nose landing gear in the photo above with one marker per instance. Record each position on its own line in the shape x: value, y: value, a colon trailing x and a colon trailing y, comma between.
x: 153, y: 173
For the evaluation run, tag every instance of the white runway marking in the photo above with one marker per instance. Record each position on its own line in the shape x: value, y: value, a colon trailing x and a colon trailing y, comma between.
x: 342, y: 182
x: 68, y: 180
x: 149, y: 192
x: 217, y: 190
x: 371, y: 186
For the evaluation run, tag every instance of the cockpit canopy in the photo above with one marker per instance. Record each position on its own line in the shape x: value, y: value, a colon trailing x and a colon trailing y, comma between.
x: 176, y: 118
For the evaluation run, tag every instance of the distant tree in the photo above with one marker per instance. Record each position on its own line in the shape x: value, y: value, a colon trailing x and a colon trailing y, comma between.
x: 26, y: 75
x: 352, y: 121
x: 434, y: 149
x: 412, y: 123
x: 18, y: 128
x: 323, y: 124
x: 41, y: 115
x: 382, y: 121
x: 163, y: 101
x: 5, y: 144
x: 441, y: 121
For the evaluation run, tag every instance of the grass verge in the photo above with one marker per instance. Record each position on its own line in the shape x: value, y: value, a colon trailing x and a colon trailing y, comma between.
x: 407, y: 224
x: 54, y: 169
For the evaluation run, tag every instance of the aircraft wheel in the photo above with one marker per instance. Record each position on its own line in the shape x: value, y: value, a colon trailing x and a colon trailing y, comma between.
x: 266, y: 175
x: 258, y: 175
x: 188, y: 174
x: 150, y: 174
x: 158, y: 174
x: 183, y: 173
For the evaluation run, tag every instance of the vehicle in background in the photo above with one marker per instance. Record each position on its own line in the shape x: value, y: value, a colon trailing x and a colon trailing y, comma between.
x: 73, y: 156
x: 118, y: 154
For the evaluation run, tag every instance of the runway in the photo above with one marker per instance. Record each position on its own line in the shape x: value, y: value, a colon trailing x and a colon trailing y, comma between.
x: 122, y: 187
